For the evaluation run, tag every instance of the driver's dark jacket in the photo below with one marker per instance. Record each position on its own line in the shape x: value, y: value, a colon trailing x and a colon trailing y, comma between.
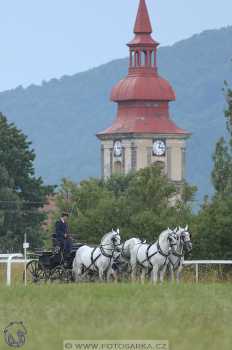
x: 61, y: 230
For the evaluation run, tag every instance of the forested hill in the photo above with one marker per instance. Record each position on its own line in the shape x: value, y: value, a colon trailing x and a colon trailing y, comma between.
x: 62, y: 116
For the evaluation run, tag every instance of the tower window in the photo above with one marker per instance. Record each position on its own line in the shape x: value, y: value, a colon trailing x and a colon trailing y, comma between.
x: 149, y: 155
x: 133, y: 63
x: 133, y: 157
x: 153, y: 63
x: 118, y: 167
x: 137, y: 60
x: 102, y: 160
x: 143, y: 58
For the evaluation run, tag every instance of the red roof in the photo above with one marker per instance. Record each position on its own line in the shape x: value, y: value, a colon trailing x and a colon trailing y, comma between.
x: 144, y: 40
x: 140, y: 125
x: 142, y: 23
x: 152, y: 88
x: 143, y: 96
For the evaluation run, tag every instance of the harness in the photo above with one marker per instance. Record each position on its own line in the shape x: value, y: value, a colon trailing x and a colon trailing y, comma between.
x: 93, y: 260
x: 148, y: 257
x: 123, y: 255
x: 179, y: 256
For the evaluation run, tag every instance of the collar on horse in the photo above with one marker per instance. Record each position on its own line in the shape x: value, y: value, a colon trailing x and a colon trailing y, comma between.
x: 110, y: 256
x: 179, y: 256
x: 93, y: 260
x: 148, y: 257
x: 160, y: 251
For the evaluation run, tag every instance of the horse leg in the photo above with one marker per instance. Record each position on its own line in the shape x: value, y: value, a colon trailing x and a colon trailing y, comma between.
x: 143, y: 274
x: 110, y: 272
x: 115, y: 275
x: 154, y: 274
x: 162, y: 273
x: 178, y: 273
x: 101, y: 275
x: 172, y: 274
x: 133, y: 272
x: 77, y: 272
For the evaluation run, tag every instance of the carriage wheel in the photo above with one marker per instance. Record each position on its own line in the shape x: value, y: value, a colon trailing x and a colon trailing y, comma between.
x: 35, y: 273
x: 59, y: 275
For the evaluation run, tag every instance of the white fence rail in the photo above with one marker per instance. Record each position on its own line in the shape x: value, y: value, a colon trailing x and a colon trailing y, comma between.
x: 205, y: 262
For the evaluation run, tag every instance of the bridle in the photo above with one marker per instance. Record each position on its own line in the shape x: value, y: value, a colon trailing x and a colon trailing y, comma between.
x: 184, y: 240
x: 182, y: 246
x: 111, y: 249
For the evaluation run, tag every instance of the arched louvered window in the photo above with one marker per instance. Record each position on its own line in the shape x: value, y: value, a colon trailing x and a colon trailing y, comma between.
x: 118, y: 167
x: 133, y: 61
x: 153, y: 63
x: 137, y: 60
x: 143, y: 58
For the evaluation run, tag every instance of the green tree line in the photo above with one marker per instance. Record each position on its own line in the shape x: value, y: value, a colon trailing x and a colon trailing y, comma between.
x: 22, y: 194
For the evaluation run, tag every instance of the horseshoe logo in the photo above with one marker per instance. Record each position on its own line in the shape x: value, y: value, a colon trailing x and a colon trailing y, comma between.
x: 15, y: 334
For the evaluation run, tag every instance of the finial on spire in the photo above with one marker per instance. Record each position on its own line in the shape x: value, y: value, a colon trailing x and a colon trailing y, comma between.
x: 142, y: 23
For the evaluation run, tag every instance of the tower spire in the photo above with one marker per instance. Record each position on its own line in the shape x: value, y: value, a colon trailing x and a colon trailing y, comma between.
x: 142, y: 23
x: 143, y: 132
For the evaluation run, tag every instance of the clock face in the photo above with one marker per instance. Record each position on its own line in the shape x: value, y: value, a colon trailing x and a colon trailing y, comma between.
x: 117, y: 149
x: 159, y: 148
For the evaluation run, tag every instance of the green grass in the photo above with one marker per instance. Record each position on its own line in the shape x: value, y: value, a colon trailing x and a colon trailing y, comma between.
x: 189, y: 316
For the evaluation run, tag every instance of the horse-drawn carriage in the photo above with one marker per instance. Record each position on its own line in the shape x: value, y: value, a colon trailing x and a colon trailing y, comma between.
x: 53, y: 265
x: 112, y: 259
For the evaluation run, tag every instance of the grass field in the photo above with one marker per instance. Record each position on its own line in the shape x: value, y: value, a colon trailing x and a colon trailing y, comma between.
x: 189, y: 316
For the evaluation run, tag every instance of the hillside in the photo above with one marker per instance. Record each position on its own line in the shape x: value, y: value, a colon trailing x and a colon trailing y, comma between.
x: 61, y: 117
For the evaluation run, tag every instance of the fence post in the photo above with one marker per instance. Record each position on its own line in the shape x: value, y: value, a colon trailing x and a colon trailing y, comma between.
x: 25, y: 247
x: 8, y: 271
x: 197, y: 273
x: 8, y: 268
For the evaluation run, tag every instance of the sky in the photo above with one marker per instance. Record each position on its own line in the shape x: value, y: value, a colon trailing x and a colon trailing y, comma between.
x: 45, y: 39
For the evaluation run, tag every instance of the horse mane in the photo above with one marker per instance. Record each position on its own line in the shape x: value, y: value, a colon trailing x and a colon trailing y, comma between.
x: 163, y: 233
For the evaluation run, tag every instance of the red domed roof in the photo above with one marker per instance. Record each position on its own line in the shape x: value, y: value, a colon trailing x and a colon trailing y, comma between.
x: 152, y: 88
x: 144, y: 125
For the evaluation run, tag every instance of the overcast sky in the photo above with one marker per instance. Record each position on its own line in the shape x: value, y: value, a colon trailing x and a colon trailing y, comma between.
x: 43, y: 39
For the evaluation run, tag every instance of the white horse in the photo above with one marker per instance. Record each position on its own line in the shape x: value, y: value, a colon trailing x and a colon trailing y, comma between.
x: 122, y: 263
x: 176, y: 259
x: 128, y: 246
x: 97, y: 259
x: 153, y: 257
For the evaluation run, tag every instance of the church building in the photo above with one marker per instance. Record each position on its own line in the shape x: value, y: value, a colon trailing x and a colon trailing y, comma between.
x: 143, y: 132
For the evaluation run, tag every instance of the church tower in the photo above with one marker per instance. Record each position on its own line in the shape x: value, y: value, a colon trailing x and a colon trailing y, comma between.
x: 143, y: 132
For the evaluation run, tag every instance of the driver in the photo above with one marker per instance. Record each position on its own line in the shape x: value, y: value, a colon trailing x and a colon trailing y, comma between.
x: 62, y: 234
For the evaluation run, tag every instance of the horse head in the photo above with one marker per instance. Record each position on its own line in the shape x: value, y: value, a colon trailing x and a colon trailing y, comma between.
x: 186, y: 237
x: 168, y: 239
x: 116, y: 239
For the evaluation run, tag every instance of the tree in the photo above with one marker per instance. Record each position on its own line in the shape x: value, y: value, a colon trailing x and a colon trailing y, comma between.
x: 138, y: 203
x: 22, y: 195
x: 222, y: 172
x: 214, y: 221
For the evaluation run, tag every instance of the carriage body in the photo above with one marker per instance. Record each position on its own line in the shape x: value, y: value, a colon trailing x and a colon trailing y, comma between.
x: 51, y: 265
